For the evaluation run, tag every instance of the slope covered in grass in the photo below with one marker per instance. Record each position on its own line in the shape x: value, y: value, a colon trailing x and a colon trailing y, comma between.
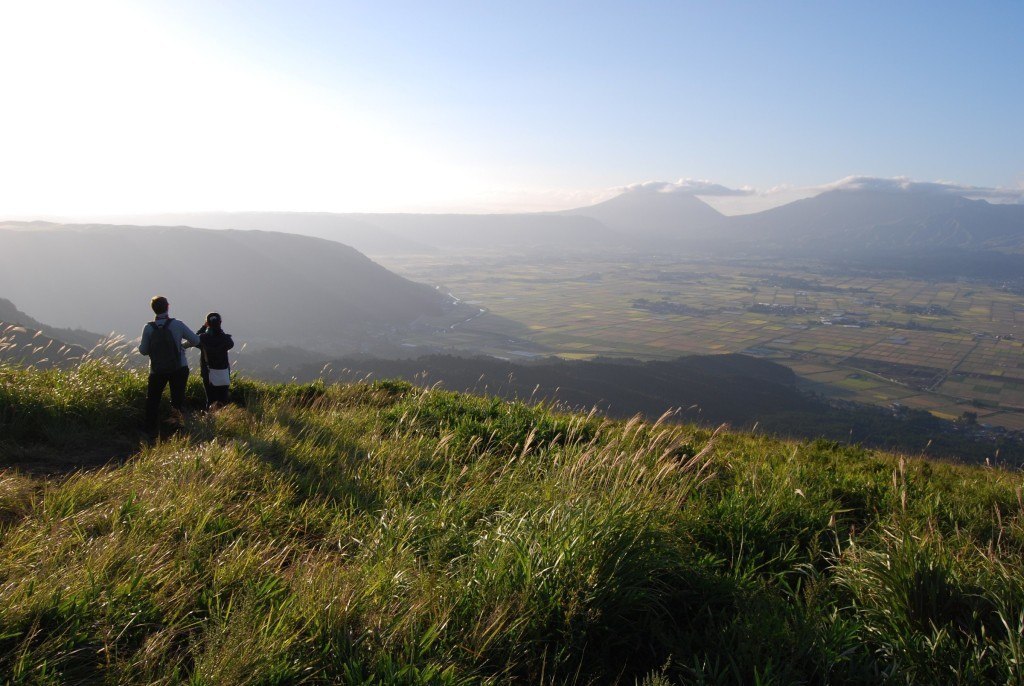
x: 384, y: 534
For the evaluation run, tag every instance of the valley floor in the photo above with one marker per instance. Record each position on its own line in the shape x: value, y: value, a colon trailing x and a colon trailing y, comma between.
x: 946, y: 346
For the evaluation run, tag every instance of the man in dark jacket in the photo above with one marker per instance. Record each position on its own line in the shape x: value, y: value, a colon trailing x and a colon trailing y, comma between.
x: 162, y: 343
x: 213, y: 363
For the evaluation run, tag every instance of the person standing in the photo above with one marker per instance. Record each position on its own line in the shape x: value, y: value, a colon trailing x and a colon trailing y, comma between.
x: 213, y: 363
x: 162, y: 343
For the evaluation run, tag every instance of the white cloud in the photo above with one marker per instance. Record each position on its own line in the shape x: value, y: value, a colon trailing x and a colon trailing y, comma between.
x: 700, y: 187
x: 730, y: 201
x: 754, y: 200
x: 902, y: 184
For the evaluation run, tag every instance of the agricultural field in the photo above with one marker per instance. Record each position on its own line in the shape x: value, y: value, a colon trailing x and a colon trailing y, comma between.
x: 944, y: 347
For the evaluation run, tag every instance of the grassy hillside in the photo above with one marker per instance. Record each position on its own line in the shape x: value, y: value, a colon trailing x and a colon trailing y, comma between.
x: 380, y: 534
x: 737, y: 389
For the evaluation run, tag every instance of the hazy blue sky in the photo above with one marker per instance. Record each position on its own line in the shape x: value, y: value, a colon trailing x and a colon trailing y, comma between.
x: 117, y: 106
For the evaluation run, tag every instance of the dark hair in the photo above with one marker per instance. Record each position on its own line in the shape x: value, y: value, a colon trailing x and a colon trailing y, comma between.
x: 213, y: 320
x: 159, y: 304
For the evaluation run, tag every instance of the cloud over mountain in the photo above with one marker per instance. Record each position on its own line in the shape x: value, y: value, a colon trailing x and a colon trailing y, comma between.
x: 686, y: 187
x: 748, y: 199
x: 902, y: 184
x: 898, y: 184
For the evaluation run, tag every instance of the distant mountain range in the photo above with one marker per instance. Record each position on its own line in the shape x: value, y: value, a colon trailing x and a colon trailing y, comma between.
x: 880, y: 221
x: 400, y: 234
x: 277, y: 287
x: 836, y: 223
x: 272, y: 288
x: 839, y: 222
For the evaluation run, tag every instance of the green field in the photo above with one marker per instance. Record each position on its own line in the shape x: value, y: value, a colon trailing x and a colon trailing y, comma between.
x: 948, y: 347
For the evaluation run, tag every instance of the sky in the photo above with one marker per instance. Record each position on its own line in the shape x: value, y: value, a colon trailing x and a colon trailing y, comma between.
x: 155, y: 106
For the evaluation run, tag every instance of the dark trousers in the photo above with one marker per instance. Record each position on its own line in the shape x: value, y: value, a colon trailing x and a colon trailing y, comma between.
x: 214, y: 394
x: 178, y: 380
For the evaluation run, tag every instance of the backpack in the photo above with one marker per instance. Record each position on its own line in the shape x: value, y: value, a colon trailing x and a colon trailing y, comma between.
x: 164, y: 356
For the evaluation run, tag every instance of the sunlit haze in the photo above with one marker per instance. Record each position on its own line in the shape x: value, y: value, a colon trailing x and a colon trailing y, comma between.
x: 645, y: 342
x: 120, y: 107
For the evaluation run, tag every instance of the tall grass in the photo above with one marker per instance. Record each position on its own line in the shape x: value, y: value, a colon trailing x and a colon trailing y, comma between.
x: 379, y: 533
x: 55, y: 406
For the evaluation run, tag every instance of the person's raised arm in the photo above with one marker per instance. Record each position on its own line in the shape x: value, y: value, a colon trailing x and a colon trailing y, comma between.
x: 144, y: 343
x: 189, y: 335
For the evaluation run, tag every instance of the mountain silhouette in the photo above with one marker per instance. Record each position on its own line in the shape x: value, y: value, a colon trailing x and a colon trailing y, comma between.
x: 844, y: 220
x: 25, y: 346
x: 363, y: 235
x: 271, y: 288
x: 11, y: 315
x: 393, y: 234
x: 840, y: 222
x: 648, y: 215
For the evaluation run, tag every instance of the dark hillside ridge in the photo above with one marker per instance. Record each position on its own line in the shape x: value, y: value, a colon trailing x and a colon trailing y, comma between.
x: 739, y: 390
x: 25, y: 347
x: 11, y: 315
x: 709, y: 388
x: 272, y: 288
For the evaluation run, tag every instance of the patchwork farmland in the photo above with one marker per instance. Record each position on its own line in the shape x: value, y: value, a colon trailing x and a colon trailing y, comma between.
x: 944, y: 347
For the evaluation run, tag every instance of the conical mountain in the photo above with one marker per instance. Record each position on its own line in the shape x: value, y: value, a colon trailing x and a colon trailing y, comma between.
x: 647, y: 213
